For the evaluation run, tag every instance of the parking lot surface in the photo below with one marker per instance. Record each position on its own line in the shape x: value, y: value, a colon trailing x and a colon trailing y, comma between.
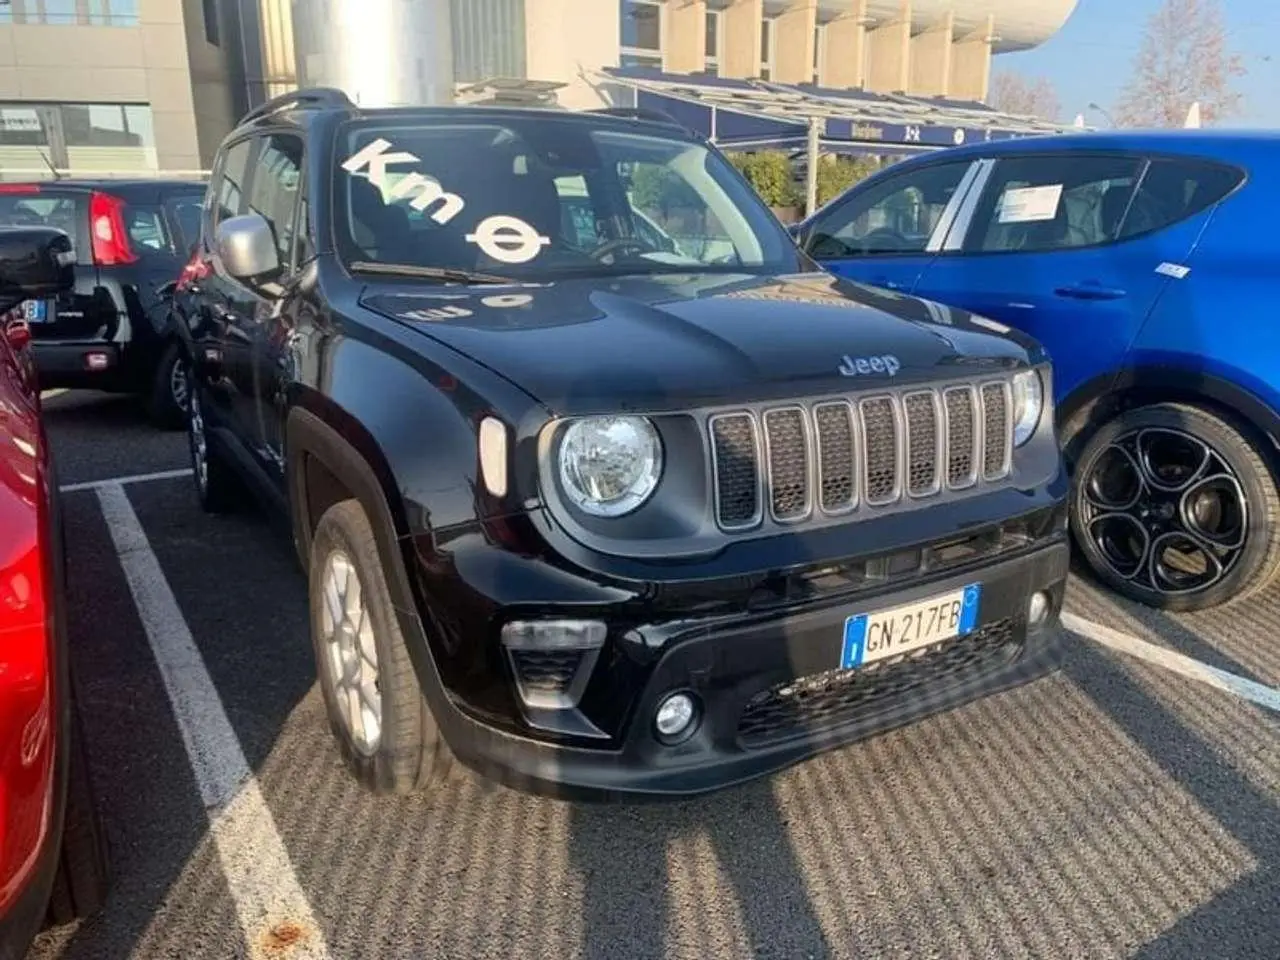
x: 1128, y: 807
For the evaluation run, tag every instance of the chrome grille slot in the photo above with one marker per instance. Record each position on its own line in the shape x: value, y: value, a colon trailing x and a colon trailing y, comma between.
x: 962, y: 438
x: 920, y: 410
x: 801, y: 462
x: 837, y: 471
x: 786, y: 439
x: 997, y: 441
x: 736, y: 461
x: 880, y: 479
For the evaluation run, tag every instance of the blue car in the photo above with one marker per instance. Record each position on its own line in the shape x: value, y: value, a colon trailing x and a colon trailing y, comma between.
x: 1147, y: 264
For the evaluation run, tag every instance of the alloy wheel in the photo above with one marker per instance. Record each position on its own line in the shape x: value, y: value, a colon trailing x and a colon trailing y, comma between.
x: 179, y: 385
x: 199, y: 441
x: 1164, y: 510
x: 351, y: 652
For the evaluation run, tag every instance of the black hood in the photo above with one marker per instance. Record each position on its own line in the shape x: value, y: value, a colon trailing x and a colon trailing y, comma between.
x: 666, y: 341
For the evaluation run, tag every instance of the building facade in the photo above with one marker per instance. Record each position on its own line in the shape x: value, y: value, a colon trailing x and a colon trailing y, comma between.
x: 141, y: 85
x: 112, y: 86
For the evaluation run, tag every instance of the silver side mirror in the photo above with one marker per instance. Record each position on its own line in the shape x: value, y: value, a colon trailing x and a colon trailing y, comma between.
x: 247, y: 247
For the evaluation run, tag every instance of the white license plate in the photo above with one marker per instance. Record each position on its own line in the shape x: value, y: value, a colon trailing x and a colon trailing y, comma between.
x: 888, y: 633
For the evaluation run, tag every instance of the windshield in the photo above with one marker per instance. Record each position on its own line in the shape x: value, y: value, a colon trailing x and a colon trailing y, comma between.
x: 541, y: 197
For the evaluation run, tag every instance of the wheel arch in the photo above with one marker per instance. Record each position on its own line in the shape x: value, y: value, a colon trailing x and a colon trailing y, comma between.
x: 1098, y: 400
x: 331, y: 457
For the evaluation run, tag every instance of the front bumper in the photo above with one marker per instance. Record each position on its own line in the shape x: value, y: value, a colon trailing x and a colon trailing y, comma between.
x: 755, y: 717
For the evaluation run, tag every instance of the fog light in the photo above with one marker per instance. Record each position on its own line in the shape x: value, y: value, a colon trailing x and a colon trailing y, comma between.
x: 675, y: 716
x: 1038, y: 609
x: 554, y: 635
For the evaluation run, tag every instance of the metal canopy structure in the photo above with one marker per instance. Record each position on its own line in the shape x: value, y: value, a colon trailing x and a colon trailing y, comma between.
x: 758, y: 114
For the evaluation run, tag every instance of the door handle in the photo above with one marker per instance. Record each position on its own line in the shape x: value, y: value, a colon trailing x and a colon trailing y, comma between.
x: 1090, y: 291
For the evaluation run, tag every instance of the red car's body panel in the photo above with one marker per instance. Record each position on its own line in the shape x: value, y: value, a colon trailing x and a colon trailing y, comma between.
x: 29, y: 654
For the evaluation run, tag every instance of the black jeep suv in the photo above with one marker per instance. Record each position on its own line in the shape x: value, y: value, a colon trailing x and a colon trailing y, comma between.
x: 112, y: 331
x: 597, y: 507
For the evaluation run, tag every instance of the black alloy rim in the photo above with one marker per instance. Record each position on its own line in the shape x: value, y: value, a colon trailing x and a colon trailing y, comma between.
x: 1165, y: 511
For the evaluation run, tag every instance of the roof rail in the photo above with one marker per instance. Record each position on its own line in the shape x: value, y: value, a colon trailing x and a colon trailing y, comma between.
x: 307, y: 97
x: 637, y: 113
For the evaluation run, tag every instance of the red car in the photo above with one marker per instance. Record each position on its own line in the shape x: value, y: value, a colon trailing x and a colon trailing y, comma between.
x: 51, y: 855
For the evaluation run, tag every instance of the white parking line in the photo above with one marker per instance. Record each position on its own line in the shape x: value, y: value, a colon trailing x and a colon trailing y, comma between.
x: 124, y: 481
x: 1173, y: 661
x: 274, y: 913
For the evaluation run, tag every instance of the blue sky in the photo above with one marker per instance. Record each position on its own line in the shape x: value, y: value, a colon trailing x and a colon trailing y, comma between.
x: 1090, y: 59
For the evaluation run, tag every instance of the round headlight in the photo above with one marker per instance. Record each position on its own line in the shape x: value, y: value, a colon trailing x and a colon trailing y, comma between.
x: 1028, y: 405
x: 609, y: 466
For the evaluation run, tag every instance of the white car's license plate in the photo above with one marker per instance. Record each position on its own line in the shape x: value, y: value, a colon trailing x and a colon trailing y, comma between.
x: 887, y: 633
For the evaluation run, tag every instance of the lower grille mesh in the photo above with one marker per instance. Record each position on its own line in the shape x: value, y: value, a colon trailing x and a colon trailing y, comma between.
x: 829, y: 699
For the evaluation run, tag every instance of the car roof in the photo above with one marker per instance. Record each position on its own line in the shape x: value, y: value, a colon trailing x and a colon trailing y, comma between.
x: 108, y: 185
x: 1224, y: 144
x: 619, y: 119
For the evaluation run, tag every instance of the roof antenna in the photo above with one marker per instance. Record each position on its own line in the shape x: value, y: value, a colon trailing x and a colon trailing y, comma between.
x: 49, y: 163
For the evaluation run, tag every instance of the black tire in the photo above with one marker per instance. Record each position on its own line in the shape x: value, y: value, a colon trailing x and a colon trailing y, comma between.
x: 1252, y: 567
x: 165, y: 408
x: 411, y: 754
x: 80, y: 884
x: 218, y: 488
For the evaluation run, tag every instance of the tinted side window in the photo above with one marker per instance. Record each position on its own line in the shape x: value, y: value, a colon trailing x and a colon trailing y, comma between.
x: 1053, y: 203
x: 1174, y: 190
x: 147, y: 230
x: 186, y: 218
x: 273, y: 194
x: 229, y: 195
x: 896, y: 216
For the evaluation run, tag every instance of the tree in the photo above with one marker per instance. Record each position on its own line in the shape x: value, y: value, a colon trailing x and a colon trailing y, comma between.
x: 1184, y: 59
x: 1023, y: 96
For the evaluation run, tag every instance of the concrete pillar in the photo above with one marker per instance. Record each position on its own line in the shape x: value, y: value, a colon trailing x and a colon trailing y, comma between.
x: 971, y: 64
x: 381, y: 52
x: 889, y: 53
x: 741, y: 25
x: 931, y: 59
x: 684, y: 36
x: 793, y: 36
x: 845, y: 64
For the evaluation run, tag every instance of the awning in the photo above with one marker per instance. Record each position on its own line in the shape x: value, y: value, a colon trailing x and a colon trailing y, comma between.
x: 744, y: 114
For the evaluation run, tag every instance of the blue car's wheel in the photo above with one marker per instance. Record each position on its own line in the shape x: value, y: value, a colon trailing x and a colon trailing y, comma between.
x: 1175, y: 508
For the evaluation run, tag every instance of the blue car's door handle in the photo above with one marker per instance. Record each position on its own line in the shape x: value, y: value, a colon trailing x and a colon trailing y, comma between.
x: 1090, y: 291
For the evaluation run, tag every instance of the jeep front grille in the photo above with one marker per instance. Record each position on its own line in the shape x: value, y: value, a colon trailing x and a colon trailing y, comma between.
x: 796, y: 460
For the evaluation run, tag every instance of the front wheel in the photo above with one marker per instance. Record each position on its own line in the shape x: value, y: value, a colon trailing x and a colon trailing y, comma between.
x: 1174, y: 507
x: 377, y: 712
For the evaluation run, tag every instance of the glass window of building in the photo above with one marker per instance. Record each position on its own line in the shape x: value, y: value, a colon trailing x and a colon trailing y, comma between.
x: 766, y: 49
x: 641, y: 33
x: 712, y: 48
x: 99, y: 13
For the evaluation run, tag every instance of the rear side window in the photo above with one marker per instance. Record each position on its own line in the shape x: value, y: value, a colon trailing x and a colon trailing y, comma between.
x: 148, y: 233
x: 185, y: 212
x: 66, y: 210
x: 1174, y: 190
x: 1053, y: 202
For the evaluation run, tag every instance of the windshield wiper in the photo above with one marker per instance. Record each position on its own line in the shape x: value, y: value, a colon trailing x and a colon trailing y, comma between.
x: 443, y: 274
